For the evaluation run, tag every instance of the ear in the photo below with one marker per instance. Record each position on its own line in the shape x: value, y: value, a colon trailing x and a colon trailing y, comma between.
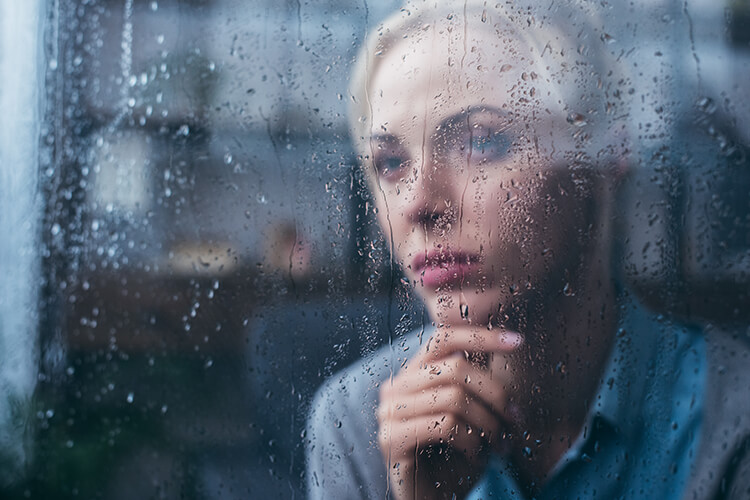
x: 620, y: 154
x: 621, y: 166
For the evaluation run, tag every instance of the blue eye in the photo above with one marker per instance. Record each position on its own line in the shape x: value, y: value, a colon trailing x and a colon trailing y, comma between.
x: 391, y: 166
x: 490, y: 146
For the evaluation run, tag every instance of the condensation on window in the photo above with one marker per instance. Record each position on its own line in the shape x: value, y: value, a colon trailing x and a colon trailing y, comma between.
x: 196, y: 235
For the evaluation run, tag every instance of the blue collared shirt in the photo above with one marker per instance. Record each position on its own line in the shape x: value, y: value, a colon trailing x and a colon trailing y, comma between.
x: 641, y: 434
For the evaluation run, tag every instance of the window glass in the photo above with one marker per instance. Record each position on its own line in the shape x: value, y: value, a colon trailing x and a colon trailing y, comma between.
x: 213, y: 207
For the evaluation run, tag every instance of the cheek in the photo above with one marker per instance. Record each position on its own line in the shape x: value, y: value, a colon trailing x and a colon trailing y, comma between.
x: 529, y: 220
x: 506, y: 212
x: 397, y: 228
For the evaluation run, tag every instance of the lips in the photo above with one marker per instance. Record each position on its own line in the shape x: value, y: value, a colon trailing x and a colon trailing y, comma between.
x: 438, y: 267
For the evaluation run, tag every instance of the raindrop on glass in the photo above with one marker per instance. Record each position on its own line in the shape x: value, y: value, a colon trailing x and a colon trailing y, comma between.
x: 706, y: 104
x: 463, y: 306
x: 576, y: 119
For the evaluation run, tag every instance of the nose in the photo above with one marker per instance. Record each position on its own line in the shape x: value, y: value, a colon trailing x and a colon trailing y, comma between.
x: 436, y: 196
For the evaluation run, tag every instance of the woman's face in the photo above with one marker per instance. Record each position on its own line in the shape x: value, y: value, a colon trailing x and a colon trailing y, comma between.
x: 473, y: 176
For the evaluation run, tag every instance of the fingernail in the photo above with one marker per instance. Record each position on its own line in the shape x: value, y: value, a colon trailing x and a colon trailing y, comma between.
x: 510, y: 338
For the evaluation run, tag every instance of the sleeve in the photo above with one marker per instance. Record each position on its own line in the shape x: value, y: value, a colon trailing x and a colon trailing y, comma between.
x: 343, y: 459
x: 739, y: 486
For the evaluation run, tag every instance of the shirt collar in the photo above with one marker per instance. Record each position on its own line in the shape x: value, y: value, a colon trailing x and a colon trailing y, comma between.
x: 630, y: 369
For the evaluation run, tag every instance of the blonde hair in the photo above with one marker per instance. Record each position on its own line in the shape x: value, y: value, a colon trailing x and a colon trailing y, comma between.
x: 583, y: 78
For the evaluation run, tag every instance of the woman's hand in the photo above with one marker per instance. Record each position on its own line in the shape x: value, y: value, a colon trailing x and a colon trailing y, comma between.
x: 444, y: 411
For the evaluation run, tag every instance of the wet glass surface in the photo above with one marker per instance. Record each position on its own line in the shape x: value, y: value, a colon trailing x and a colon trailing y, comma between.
x: 195, y: 238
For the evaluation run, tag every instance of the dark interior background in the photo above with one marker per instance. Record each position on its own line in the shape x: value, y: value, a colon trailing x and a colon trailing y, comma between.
x: 209, y: 250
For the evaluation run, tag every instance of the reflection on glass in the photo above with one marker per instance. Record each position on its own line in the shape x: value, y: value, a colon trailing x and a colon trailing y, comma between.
x: 494, y: 141
x: 205, y: 218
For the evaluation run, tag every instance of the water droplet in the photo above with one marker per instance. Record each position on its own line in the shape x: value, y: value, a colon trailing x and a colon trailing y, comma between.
x: 130, y: 397
x: 505, y: 67
x: 707, y: 105
x: 184, y: 130
x: 607, y: 38
x: 568, y: 290
x: 227, y: 158
x: 154, y: 6
x: 55, y: 229
x: 463, y: 306
x: 576, y: 119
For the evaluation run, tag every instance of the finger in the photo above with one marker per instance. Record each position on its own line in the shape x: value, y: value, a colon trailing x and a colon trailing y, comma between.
x: 446, y: 342
x: 450, y: 400
x: 399, y: 440
x: 487, y: 386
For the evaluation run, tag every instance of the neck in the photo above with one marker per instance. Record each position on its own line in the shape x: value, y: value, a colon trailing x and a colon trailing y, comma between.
x: 561, y: 370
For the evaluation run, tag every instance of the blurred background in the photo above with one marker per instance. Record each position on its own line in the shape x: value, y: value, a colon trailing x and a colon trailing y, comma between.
x: 188, y: 248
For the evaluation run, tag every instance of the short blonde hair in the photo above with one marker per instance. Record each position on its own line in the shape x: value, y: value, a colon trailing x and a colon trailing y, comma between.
x: 584, y: 78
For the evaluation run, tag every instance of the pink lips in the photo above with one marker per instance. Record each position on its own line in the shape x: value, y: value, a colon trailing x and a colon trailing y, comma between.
x: 437, y: 268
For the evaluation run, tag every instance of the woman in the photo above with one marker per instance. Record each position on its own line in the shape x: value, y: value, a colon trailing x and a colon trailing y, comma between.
x: 492, y: 139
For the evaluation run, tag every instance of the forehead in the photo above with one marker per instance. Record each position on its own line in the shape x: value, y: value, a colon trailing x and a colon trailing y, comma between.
x: 443, y: 70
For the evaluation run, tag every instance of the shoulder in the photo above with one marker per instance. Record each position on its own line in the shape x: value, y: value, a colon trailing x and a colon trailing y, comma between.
x: 342, y: 451
x: 728, y: 382
x: 724, y: 454
x: 352, y: 394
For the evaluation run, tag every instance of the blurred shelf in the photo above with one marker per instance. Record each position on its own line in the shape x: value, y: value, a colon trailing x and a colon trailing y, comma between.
x: 188, y: 309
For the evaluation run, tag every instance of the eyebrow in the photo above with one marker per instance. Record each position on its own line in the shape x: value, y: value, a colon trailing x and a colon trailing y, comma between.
x: 456, y: 119
x: 462, y: 117
x: 384, y: 139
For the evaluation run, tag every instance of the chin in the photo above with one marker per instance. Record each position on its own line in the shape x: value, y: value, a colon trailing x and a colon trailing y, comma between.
x: 506, y: 306
x: 463, y: 306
